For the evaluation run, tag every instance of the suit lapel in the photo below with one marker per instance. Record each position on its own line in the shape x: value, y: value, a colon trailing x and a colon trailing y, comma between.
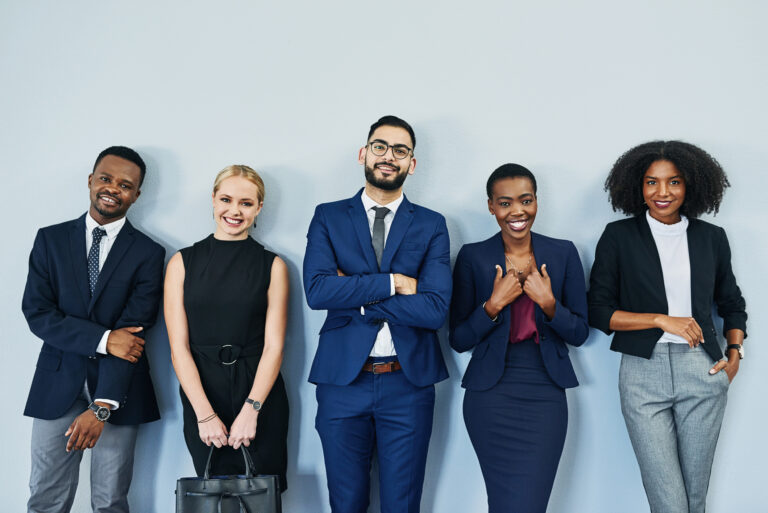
x: 359, y: 220
x: 656, y: 274
x: 541, y: 254
x: 397, y: 231
x: 123, y: 241
x: 694, y: 249
x: 78, y: 257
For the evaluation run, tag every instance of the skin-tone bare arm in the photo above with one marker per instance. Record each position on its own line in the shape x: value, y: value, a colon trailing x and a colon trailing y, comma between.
x: 213, y: 431
x: 686, y: 327
x: 244, y: 427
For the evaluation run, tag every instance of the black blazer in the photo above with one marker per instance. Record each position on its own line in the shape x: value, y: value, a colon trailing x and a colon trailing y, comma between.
x: 60, y: 310
x: 627, y: 276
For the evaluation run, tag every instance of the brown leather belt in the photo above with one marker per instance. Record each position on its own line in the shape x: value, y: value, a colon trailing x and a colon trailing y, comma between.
x: 382, y: 367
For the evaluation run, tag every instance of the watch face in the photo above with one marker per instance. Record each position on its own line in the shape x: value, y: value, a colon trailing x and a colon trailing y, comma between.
x: 102, y: 413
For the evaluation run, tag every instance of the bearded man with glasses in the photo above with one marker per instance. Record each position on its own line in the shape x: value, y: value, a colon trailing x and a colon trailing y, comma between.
x: 380, y: 266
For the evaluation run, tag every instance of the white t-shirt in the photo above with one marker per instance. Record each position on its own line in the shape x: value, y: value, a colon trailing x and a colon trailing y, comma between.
x: 672, y: 244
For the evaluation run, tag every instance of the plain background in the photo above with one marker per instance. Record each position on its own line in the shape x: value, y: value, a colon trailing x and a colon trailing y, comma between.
x: 291, y: 88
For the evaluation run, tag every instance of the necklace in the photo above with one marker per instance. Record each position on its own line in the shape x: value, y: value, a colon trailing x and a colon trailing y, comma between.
x: 519, y: 271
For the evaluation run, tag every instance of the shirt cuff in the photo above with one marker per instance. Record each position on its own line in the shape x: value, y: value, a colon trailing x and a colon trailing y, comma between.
x: 362, y: 310
x: 391, y: 284
x: 114, y: 404
x: 102, y: 347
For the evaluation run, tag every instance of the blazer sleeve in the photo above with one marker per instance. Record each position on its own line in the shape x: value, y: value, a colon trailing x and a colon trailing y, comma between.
x: 427, y: 308
x: 141, y: 309
x: 324, y: 288
x: 603, y: 297
x: 570, y: 320
x: 730, y: 303
x: 46, y: 320
x: 468, y: 324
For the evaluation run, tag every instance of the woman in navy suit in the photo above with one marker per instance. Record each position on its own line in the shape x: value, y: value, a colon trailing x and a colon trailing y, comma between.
x: 655, y: 279
x: 518, y: 299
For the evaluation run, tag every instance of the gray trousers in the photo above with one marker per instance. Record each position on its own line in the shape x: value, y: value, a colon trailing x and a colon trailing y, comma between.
x: 55, y: 472
x: 673, y: 409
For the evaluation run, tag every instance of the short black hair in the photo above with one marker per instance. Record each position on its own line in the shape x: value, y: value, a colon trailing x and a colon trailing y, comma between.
x: 509, y: 171
x: 124, y: 153
x: 393, y: 121
x: 705, y: 180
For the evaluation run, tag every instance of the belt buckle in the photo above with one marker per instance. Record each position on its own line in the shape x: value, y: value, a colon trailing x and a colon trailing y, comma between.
x: 220, y: 350
x: 376, y: 365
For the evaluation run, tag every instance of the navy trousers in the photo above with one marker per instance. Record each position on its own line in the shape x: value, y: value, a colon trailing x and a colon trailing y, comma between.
x: 381, y: 412
x: 518, y: 430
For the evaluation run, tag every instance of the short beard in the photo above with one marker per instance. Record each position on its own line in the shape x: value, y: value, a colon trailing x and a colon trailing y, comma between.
x: 383, y: 184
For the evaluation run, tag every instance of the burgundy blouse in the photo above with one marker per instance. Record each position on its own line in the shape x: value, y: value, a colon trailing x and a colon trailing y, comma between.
x: 523, y: 325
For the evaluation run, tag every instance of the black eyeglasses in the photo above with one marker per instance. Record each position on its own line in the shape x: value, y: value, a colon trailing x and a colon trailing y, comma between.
x: 379, y: 148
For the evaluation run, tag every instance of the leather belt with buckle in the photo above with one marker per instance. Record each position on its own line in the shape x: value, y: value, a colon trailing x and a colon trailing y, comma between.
x: 382, y: 367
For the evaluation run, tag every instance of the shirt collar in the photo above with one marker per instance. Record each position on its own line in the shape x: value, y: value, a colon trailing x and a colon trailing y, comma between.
x: 659, y: 228
x: 112, y: 228
x: 369, y: 203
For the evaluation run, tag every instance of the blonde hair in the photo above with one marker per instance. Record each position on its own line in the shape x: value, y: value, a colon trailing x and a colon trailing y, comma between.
x: 240, y: 170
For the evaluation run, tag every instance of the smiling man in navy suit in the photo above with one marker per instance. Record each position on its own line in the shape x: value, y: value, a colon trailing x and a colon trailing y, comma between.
x: 93, y: 288
x: 380, y: 266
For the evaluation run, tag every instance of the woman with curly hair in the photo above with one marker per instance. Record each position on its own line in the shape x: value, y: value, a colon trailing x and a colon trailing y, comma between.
x: 655, y: 278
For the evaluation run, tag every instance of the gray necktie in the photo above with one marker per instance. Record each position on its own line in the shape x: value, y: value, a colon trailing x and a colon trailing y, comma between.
x: 93, y: 257
x: 378, y: 232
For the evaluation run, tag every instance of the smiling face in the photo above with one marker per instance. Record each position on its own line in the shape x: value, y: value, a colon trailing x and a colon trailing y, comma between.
x: 236, y: 204
x: 664, y: 191
x: 113, y: 186
x: 514, y: 206
x: 386, y: 172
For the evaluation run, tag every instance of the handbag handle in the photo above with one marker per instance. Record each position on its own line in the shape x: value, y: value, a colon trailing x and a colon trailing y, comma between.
x: 249, y: 467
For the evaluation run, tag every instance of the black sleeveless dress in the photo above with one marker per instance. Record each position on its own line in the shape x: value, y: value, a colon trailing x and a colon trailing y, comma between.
x: 225, y: 298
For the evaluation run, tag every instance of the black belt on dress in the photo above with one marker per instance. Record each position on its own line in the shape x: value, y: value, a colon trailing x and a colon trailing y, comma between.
x: 227, y: 354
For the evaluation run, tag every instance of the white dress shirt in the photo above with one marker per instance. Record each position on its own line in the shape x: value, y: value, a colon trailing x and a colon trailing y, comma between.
x: 672, y: 244
x: 112, y: 229
x: 384, y: 346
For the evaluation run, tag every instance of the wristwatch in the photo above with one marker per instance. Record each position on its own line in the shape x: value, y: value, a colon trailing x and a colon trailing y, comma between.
x: 102, y: 413
x: 256, y: 404
x: 738, y: 347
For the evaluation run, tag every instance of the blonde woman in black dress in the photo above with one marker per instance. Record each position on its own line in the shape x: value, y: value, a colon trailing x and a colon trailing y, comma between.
x: 226, y: 301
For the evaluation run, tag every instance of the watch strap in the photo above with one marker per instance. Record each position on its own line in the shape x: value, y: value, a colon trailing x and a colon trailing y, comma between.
x: 737, y: 347
x: 256, y: 404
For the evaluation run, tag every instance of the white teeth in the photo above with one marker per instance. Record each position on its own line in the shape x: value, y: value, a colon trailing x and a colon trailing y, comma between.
x: 518, y: 224
x: 107, y: 199
x: 233, y: 221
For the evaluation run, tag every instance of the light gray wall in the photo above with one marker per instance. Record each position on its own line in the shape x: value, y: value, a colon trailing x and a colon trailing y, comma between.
x: 291, y: 88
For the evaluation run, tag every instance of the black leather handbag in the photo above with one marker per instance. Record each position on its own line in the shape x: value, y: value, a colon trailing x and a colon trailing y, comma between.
x: 247, y: 493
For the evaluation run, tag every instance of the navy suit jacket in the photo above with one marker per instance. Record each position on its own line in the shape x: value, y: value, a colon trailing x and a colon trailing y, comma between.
x: 470, y: 326
x: 59, y: 310
x: 417, y: 245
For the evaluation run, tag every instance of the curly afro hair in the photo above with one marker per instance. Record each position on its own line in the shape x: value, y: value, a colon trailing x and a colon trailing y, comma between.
x: 705, y: 180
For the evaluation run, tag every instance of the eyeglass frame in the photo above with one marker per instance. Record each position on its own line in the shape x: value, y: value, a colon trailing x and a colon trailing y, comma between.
x: 388, y: 147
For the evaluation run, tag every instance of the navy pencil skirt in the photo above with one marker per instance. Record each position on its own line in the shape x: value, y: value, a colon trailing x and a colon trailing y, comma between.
x: 518, y: 430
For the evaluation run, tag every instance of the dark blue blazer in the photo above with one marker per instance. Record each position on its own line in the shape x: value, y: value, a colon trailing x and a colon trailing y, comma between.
x: 417, y: 246
x: 470, y: 326
x: 59, y: 310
